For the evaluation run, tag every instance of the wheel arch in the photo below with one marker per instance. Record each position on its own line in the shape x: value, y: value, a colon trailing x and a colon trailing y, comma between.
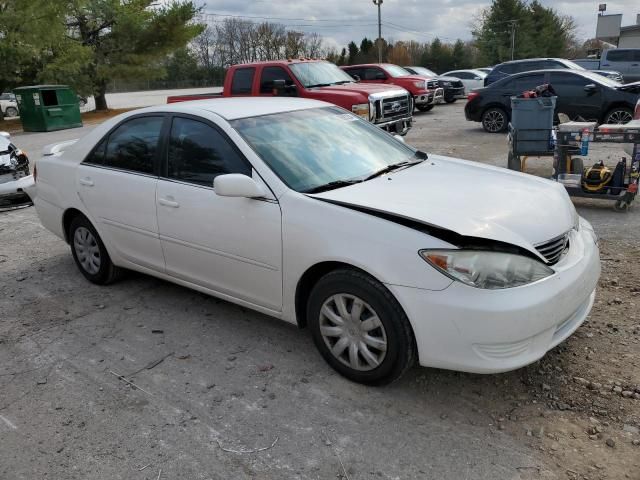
x: 613, y: 106
x: 309, y: 279
x: 67, y: 217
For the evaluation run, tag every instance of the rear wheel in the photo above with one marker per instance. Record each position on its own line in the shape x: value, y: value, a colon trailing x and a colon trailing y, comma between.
x: 424, y: 108
x: 11, y: 112
x: 359, y: 328
x: 90, y: 254
x: 494, y: 120
x: 619, y: 115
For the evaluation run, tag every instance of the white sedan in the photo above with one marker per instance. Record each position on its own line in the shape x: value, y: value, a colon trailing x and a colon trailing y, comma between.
x: 471, y: 79
x: 303, y: 211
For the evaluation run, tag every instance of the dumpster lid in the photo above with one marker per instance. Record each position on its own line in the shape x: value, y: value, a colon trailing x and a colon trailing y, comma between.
x: 42, y: 87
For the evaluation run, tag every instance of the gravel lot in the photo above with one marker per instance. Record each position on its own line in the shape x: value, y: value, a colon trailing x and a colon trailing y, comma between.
x: 215, y: 382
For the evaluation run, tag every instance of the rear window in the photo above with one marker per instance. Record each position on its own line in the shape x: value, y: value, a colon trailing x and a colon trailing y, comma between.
x: 620, y: 55
x: 242, y: 81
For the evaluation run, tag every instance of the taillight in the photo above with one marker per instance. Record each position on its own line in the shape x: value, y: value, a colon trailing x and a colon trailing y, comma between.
x: 472, y: 95
x: 35, y: 172
x: 636, y: 114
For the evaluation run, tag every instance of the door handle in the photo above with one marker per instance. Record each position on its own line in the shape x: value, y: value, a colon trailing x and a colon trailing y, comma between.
x: 168, y: 202
x: 86, y: 181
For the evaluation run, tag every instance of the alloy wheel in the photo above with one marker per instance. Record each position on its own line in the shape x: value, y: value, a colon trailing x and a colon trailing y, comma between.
x: 494, y: 121
x: 87, y: 250
x: 353, y: 332
x: 619, y: 117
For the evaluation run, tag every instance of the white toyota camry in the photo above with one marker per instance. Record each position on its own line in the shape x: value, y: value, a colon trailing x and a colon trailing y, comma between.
x: 303, y: 211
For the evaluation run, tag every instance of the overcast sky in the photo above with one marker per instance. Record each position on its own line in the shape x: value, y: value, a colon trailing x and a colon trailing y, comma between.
x: 340, y: 21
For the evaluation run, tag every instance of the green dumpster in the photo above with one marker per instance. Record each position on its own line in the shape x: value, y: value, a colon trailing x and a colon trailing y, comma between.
x: 44, y: 108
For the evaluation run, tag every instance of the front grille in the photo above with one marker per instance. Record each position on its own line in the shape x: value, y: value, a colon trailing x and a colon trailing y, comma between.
x: 433, y: 84
x: 395, y: 107
x: 553, y: 249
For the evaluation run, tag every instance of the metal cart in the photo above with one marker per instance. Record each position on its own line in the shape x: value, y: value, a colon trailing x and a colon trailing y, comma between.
x: 565, y: 147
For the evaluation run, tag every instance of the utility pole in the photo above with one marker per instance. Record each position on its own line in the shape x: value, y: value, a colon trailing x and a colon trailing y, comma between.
x: 379, y: 4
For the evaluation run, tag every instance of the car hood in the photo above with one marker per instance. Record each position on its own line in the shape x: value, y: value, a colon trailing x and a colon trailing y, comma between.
x: 449, y: 79
x: 469, y: 199
x: 368, y: 88
x: 633, y: 87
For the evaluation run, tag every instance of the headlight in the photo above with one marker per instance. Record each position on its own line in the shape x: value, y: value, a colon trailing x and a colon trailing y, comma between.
x: 361, y: 109
x: 422, y: 85
x: 486, y: 269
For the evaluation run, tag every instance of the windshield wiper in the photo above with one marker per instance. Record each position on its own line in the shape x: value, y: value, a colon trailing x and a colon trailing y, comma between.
x: 319, y: 85
x: 331, y: 186
x: 394, y: 166
x: 342, y: 82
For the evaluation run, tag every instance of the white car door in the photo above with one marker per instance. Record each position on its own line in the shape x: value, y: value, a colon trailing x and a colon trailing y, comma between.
x: 117, y: 185
x: 230, y: 245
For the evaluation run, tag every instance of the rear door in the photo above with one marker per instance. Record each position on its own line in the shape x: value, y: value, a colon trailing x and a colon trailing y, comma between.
x: 117, y: 185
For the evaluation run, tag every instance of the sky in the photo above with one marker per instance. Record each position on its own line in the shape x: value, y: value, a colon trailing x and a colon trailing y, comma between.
x: 340, y: 21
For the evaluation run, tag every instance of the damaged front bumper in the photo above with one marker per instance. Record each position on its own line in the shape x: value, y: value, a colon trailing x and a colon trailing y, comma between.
x: 13, y: 190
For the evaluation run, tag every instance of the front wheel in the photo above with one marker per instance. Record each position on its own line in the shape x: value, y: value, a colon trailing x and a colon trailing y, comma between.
x: 451, y: 99
x: 90, y: 254
x: 359, y: 328
x: 424, y: 108
x: 619, y: 115
x: 495, y: 120
x: 11, y: 112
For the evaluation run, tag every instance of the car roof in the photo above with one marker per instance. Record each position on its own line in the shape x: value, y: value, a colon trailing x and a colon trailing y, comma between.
x: 533, y: 60
x: 232, y: 108
x: 288, y: 61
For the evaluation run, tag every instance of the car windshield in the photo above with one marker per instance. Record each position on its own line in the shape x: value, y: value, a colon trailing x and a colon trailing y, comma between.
x: 573, y: 65
x: 596, y: 77
x: 311, y: 148
x: 318, y: 74
x: 424, y: 71
x: 396, y: 71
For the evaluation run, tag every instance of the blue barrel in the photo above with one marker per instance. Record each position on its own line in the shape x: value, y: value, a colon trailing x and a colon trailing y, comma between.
x: 532, y: 118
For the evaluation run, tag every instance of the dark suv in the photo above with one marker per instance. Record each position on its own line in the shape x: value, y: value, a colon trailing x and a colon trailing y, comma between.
x: 519, y: 66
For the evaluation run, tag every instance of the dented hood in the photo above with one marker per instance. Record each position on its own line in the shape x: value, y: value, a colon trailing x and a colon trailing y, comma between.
x: 469, y: 199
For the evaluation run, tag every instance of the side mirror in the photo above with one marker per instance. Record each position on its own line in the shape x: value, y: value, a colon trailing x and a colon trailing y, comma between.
x: 237, y: 185
x: 590, y: 88
x: 477, y: 78
x: 356, y: 77
x: 281, y: 89
x: 5, y: 135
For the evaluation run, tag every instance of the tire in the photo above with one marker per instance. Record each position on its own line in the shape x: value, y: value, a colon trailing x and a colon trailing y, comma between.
x: 90, y: 254
x: 424, y: 108
x: 450, y: 99
x: 384, y: 349
x: 495, y: 120
x: 82, y: 101
x: 514, y: 162
x: 618, y: 115
x: 11, y: 112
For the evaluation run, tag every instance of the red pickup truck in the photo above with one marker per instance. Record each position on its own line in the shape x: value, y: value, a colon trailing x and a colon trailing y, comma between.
x: 386, y: 106
x: 426, y: 92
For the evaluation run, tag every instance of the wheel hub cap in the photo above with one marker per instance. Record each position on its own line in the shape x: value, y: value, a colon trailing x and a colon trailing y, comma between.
x: 353, y: 332
x: 87, y: 250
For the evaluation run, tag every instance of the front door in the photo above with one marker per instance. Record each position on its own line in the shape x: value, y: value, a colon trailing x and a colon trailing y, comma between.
x: 117, y: 185
x: 230, y: 245
x: 573, y: 99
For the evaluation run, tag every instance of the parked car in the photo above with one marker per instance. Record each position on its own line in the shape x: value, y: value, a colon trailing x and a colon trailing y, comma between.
x: 305, y: 212
x: 387, y: 106
x: 15, y: 176
x: 471, y: 79
x: 580, y: 93
x: 453, y: 87
x: 9, y: 105
x: 520, y: 66
x: 426, y: 92
x: 626, y: 61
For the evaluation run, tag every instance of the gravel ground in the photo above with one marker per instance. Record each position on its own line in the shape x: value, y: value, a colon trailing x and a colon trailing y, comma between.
x: 211, y: 382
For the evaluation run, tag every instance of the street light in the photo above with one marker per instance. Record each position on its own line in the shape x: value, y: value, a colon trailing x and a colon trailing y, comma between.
x: 379, y: 3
